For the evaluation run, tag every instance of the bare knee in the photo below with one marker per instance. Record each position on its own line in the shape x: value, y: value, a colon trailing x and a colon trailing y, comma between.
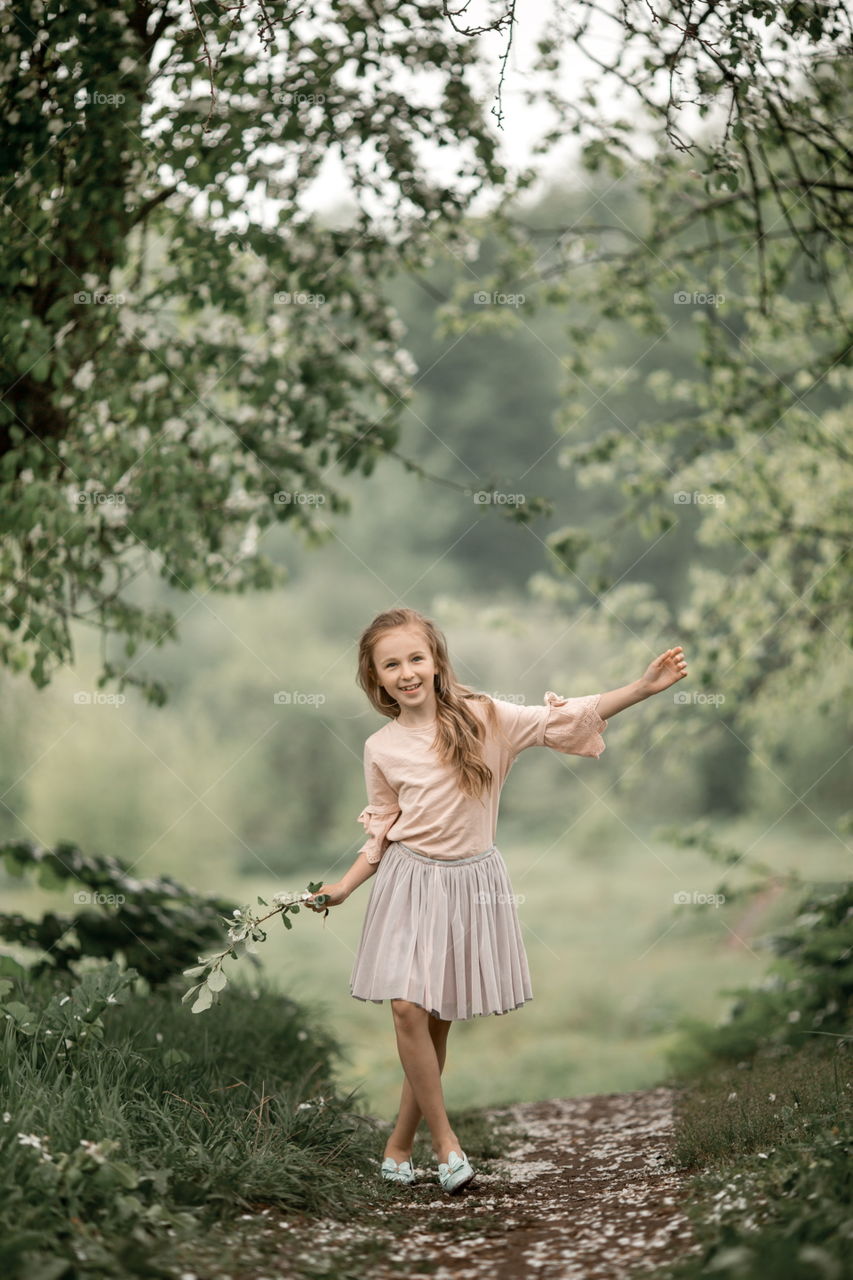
x: 408, y: 1016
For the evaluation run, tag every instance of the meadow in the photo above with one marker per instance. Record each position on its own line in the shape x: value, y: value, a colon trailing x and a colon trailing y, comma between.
x: 615, y: 964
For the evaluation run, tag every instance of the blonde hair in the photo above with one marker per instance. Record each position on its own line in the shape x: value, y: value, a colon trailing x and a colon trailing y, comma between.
x: 458, y: 730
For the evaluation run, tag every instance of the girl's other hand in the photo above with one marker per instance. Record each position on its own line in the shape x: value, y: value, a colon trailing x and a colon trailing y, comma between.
x: 336, y: 894
x: 666, y: 669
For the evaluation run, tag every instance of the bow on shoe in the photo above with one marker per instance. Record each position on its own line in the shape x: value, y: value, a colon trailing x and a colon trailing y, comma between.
x: 394, y: 1172
x: 456, y: 1173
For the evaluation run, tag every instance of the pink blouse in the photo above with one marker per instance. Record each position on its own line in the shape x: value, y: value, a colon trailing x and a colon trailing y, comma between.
x: 414, y: 798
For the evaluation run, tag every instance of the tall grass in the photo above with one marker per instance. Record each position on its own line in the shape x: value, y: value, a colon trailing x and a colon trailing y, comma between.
x: 173, y: 1122
x: 768, y: 1142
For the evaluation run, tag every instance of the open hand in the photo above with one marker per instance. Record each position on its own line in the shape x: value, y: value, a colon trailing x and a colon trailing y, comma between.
x: 665, y: 670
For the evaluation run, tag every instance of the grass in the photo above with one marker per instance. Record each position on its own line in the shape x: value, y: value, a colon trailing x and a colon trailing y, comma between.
x: 767, y: 1143
x: 194, y: 1118
x: 204, y: 1132
x: 227, y: 1122
x: 614, y: 966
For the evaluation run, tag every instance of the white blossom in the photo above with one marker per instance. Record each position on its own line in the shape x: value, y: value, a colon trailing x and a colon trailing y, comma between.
x: 93, y: 1149
x: 85, y: 376
x: 39, y: 1144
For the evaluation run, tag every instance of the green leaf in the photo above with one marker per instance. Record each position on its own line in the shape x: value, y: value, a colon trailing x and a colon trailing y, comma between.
x: 49, y: 877
x: 205, y: 999
x: 217, y: 980
x: 175, y: 1058
x: 20, y: 1013
x: 127, y: 1176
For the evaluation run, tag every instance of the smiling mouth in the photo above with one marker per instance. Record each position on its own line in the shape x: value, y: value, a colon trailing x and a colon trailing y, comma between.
x: 413, y: 689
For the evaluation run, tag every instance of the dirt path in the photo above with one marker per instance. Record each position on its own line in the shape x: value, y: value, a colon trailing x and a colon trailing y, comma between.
x: 588, y: 1193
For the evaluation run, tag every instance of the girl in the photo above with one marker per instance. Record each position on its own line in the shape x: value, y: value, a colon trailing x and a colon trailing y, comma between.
x: 441, y: 938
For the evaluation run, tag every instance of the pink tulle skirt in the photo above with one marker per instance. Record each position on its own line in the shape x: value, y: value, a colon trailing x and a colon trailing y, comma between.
x: 444, y: 935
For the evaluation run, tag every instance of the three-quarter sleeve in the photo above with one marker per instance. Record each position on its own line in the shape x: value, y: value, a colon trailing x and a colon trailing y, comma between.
x: 573, y: 725
x: 381, y: 811
x: 570, y: 725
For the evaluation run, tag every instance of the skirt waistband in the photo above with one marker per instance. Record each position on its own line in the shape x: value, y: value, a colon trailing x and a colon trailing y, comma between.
x: 425, y: 857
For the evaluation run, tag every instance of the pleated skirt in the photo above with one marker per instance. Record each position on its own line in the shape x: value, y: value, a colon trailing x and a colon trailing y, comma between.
x: 442, y: 934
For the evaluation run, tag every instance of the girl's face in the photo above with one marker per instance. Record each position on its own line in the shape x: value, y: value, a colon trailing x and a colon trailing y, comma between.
x: 405, y: 667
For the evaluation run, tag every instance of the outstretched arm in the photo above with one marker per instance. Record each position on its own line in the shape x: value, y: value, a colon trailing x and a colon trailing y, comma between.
x: 664, y: 671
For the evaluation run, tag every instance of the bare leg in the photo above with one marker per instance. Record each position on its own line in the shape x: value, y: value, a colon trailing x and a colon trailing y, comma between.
x: 401, y: 1141
x: 422, y: 1044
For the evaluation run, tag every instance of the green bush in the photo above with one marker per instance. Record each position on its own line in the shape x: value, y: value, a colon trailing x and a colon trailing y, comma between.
x: 157, y: 926
x: 808, y: 993
x: 773, y: 1138
x: 130, y: 1141
x: 767, y: 1116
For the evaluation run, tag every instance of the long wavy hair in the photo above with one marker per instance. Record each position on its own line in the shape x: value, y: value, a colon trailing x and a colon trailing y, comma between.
x: 459, y: 732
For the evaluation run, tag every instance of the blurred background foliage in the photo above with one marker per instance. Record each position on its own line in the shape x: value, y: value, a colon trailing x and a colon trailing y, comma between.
x: 596, y: 394
x: 235, y: 792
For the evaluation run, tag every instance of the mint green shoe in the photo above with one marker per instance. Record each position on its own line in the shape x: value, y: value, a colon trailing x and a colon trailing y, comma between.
x: 394, y: 1172
x: 456, y: 1174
